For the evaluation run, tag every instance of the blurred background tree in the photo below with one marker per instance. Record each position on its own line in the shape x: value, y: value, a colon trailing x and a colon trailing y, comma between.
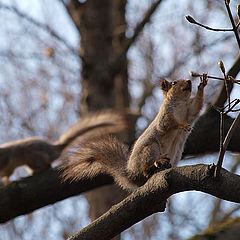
x: 63, y: 58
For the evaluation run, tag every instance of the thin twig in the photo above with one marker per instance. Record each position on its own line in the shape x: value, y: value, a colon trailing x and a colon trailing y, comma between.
x: 227, y: 91
x: 238, y: 24
x: 231, y: 109
x: 230, y: 213
x: 234, y: 29
x: 225, y: 144
x: 72, y: 8
x: 193, y: 21
x: 232, y: 73
x: 194, y: 74
x: 38, y: 24
x: 221, y: 150
x: 128, y: 42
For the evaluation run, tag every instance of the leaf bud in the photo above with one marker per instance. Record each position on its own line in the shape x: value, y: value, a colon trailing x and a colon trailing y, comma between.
x: 190, y: 19
x: 221, y: 66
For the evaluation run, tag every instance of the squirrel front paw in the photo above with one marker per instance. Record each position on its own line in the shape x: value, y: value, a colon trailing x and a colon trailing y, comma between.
x: 203, y: 81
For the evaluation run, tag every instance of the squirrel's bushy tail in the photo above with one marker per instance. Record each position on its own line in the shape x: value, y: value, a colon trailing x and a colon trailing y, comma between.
x: 104, y: 154
x: 92, y: 125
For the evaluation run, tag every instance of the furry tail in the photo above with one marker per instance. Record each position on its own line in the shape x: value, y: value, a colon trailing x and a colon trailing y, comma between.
x: 100, y: 155
x: 93, y: 125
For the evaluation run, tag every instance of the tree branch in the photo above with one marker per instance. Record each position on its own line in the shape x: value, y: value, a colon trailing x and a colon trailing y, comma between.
x: 31, y: 193
x: 156, y: 191
x: 72, y: 8
x: 233, y: 72
x: 128, y: 42
x: 205, y: 136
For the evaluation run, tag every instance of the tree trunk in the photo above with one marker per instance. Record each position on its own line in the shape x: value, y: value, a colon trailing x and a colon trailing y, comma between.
x: 102, y: 29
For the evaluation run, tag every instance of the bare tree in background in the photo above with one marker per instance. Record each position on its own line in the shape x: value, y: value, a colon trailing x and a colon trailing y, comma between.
x: 123, y: 48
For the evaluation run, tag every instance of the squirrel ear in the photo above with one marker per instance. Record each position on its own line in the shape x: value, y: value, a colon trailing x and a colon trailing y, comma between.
x: 165, y: 85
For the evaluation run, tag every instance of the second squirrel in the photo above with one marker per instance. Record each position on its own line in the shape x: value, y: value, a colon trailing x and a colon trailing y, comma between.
x: 38, y: 154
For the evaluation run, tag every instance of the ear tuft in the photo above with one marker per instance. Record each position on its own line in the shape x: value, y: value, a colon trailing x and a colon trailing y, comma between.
x: 165, y: 85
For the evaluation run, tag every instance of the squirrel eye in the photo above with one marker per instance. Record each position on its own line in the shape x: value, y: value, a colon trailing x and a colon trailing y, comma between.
x: 174, y: 82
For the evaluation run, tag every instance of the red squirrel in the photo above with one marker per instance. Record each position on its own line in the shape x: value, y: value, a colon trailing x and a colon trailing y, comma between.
x: 160, y: 146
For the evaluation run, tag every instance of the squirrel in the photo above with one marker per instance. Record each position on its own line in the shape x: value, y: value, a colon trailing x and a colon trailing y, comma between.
x: 159, y: 147
x: 38, y: 154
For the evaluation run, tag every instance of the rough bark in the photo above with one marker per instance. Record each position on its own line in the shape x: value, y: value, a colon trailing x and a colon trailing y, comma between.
x: 102, y: 31
x: 31, y: 193
x: 156, y: 191
x: 96, y: 41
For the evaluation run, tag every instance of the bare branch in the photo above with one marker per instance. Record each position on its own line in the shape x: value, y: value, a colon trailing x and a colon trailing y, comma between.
x: 195, y: 74
x: 235, y: 27
x: 128, y: 42
x: 156, y: 191
x: 221, y: 150
x: 72, y: 8
x: 230, y: 132
x: 233, y: 72
x: 193, y: 21
x: 40, y: 25
x: 202, y: 141
x: 24, y: 196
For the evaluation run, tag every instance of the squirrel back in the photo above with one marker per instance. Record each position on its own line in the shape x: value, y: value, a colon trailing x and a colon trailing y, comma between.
x: 93, y: 125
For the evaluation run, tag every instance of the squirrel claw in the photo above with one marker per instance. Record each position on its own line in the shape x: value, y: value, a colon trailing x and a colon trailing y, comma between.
x: 162, y: 166
x: 163, y: 163
x: 203, y: 81
x: 185, y: 127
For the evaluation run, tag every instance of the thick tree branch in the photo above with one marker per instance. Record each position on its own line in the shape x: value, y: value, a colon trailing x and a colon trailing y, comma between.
x: 205, y: 136
x: 151, y: 198
x: 128, y: 42
x: 31, y: 193
x: 34, y: 192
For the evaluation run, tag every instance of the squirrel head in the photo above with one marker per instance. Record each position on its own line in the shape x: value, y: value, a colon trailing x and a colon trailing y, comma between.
x: 178, y: 89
